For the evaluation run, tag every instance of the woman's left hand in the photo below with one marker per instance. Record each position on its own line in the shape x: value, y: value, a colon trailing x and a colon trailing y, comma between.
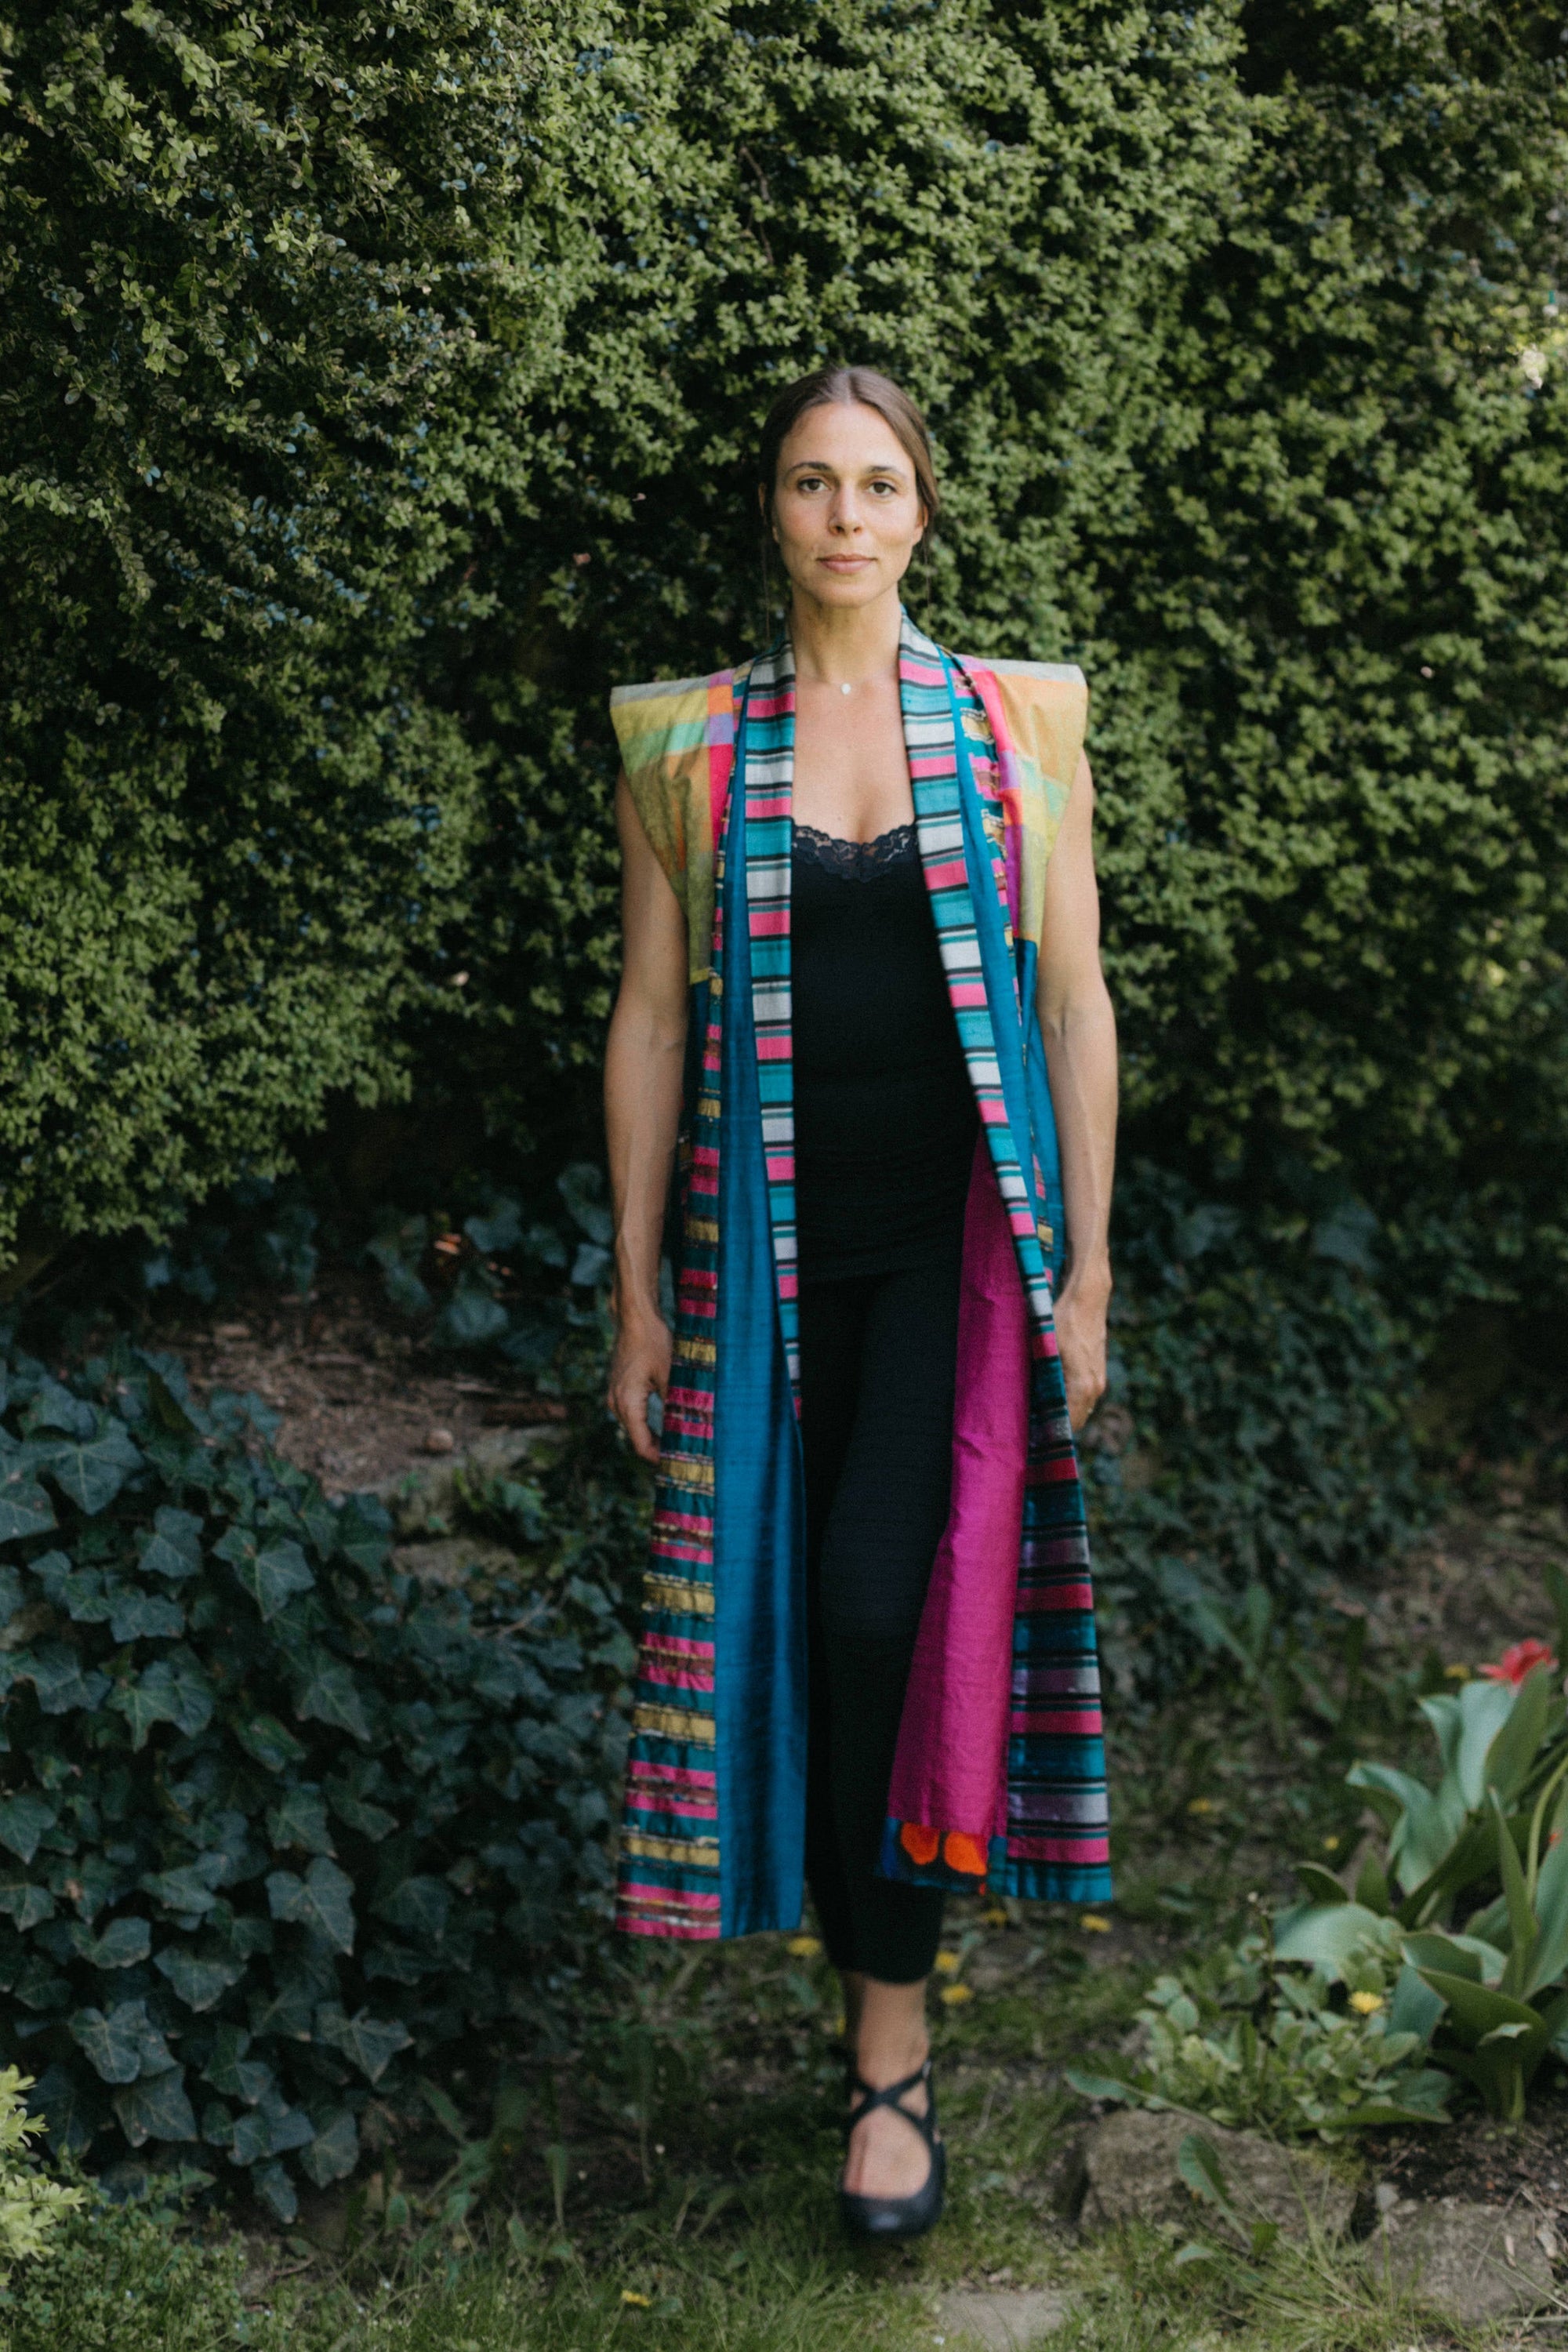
x: 1080, y: 1335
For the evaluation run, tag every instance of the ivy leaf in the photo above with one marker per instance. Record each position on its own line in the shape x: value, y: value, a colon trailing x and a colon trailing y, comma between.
x: 173, y: 1549
x: 11, y: 1594
x: 420, y: 1906
x: 364, y: 1533
x: 229, y: 2070
x: 172, y: 1690
x: 142, y: 1616
x: 273, y: 2186
x: 28, y: 1906
x: 91, y: 1471
x: 123, y: 1944
x: 54, y: 1407
x: 286, y: 2011
x: 190, y: 1888
x: 271, y: 1742
x: 200, y: 1983
x: 23, y: 1819
x: 58, y: 1681
x: 301, y: 1820
x: 272, y: 1577
x: 329, y: 1694
x: 373, y: 1821
x: 25, y: 1509
x: 371, y: 2044
x: 335, y: 2152
x: 70, y: 2114
x: 85, y: 1600
x: 122, y: 2044
x: 157, y: 2108
x: 322, y: 1900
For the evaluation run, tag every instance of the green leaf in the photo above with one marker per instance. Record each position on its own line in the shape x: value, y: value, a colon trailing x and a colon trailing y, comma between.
x: 1484, y: 1707
x: 1550, y: 1956
x: 58, y: 1680
x: 25, y: 1509
x: 328, y: 1694
x: 200, y: 1983
x: 1102, y: 2086
x: 28, y: 1906
x: 322, y: 1900
x: 1199, y: 2164
x: 1322, y: 1934
x: 1320, y: 1885
x: 157, y: 2108
x: 301, y: 1819
x: 91, y: 1471
x: 24, y: 1820
x: 1516, y: 1746
x: 273, y: 2186
x: 1415, y: 2008
x: 144, y: 1616
x: 189, y: 1890
x: 288, y: 2011
x: 271, y: 1743
x: 1372, y: 1886
x: 229, y: 2070
x: 1520, y: 1913
x: 371, y: 2044
x: 173, y: 1549
x: 274, y: 1576
x: 1477, y: 2011
x: 373, y: 1821
x: 173, y: 1689
x: 121, y: 2044
x: 123, y: 1944
x: 419, y: 1905
x: 335, y: 2152
x: 72, y: 2115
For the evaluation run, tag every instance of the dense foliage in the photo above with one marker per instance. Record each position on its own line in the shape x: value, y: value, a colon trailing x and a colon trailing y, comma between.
x: 278, y: 1820
x: 377, y: 393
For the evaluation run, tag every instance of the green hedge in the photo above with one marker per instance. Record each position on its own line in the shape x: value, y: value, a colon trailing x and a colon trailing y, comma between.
x: 276, y: 1820
x: 343, y: 477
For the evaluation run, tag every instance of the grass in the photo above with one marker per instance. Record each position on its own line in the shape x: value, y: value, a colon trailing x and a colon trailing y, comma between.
x: 660, y: 2175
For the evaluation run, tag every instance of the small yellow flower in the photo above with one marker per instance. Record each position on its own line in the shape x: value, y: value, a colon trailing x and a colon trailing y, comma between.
x: 1330, y: 1844
x: 643, y: 2301
x: 839, y: 2025
x: 948, y: 1964
x: 804, y: 1947
x: 954, y: 1994
x: 1366, y: 2004
x: 996, y: 1917
x: 1203, y: 1805
x: 1095, y: 1925
x: 1457, y: 1674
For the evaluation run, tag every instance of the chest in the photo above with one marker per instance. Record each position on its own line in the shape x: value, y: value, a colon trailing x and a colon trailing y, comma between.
x: 851, y: 769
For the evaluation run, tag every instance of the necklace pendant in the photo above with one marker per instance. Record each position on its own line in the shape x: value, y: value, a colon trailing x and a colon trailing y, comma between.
x: 844, y: 689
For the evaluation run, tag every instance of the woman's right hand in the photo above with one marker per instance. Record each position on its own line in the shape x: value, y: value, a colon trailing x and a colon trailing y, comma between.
x: 639, y: 1367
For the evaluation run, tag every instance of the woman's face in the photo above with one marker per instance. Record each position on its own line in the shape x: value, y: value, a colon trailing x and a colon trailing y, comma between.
x: 846, y: 512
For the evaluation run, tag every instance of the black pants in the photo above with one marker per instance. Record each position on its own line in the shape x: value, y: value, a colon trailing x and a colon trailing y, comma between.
x: 878, y: 1367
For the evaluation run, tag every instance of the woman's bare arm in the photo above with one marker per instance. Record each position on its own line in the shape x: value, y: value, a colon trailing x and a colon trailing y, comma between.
x: 643, y: 1067
x: 1079, y: 1032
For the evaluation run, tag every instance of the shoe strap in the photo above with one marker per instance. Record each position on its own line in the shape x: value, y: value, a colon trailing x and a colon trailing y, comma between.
x: 890, y: 2096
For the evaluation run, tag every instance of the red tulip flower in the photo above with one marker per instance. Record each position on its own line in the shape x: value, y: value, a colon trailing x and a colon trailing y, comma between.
x: 1517, y: 1662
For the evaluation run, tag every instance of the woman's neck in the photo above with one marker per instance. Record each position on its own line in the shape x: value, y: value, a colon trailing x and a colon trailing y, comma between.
x: 837, y: 647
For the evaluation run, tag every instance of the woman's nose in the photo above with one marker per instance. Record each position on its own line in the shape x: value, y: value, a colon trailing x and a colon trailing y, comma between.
x: 845, y: 513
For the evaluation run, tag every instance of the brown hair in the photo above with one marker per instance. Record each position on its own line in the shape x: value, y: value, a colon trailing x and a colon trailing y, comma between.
x: 844, y: 386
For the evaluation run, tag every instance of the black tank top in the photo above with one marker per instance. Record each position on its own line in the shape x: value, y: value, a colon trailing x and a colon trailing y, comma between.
x: 885, y: 1121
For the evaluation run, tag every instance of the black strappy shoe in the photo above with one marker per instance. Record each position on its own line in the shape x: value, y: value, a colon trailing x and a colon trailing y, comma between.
x: 885, y: 2218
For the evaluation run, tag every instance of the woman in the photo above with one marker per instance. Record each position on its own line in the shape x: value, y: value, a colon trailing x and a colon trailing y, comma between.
x: 861, y: 968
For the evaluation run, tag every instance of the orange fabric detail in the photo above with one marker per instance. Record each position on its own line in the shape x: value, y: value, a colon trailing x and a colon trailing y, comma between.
x: 920, y: 1844
x: 964, y: 1853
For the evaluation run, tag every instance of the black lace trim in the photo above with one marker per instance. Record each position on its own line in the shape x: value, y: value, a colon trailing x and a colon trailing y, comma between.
x: 855, y: 860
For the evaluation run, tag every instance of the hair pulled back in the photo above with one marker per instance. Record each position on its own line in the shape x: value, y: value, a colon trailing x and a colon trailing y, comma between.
x: 845, y: 387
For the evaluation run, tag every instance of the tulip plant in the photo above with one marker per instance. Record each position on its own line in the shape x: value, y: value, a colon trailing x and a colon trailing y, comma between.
x: 1483, y: 1979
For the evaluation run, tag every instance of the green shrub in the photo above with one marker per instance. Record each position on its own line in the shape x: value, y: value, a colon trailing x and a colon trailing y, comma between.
x: 1251, y: 2044
x: 116, y: 2278
x: 31, y: 2207
x: 278, y: 1821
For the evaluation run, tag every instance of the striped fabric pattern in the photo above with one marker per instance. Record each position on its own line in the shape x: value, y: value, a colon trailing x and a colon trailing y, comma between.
x: 668, y: 1880
x: 1051, y: 1836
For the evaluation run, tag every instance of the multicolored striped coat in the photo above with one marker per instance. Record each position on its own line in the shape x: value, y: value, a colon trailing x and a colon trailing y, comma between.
x: 999, y: 1777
